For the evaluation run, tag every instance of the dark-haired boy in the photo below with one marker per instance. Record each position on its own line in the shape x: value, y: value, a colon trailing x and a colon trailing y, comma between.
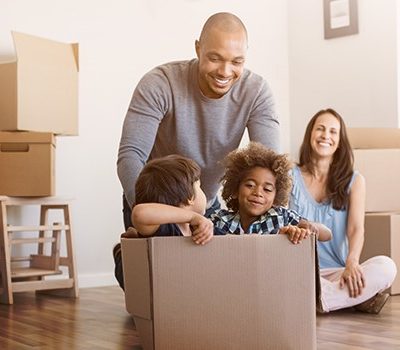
x: 169, y: 202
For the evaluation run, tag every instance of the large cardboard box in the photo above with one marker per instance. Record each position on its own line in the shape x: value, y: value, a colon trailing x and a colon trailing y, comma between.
x: 367, y: 138
x: 39, y: 89
x: 27, y: 164
x: 377, y: 157
x: 380, y: 167
x: 382, y: 237
x: 236, y: 292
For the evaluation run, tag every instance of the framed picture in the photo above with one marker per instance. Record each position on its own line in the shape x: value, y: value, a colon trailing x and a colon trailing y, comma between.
x: 340, y: 18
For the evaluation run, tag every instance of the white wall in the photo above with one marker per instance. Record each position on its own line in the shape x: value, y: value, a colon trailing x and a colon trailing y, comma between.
x: 356, y: 75
x: 119, y: 41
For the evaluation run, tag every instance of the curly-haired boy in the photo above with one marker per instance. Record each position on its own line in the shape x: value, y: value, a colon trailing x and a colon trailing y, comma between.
x: 256, y: 187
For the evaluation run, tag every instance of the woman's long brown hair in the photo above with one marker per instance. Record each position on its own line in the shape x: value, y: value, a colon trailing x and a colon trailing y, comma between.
x: 341, y: 167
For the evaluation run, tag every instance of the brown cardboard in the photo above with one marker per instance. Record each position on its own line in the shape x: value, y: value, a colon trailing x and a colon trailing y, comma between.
x: 377, y: 156
x: 380, y: 168
x: 39, y: 89
x: 382, y: 237
x: 366, y: 138
x: 27, y: 164
x: 236, y: 292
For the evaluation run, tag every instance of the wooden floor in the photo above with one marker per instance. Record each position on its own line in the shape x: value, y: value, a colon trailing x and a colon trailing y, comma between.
x: 98, y: 320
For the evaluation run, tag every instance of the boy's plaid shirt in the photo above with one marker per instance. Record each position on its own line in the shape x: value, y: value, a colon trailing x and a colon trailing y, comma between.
x: 268, y: 223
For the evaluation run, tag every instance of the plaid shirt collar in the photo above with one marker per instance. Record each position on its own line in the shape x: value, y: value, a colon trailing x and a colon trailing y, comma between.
x: 231, y: 222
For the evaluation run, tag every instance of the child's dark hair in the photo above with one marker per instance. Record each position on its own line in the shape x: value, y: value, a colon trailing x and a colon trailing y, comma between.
x: 167, y: 180
x: 239, y: 162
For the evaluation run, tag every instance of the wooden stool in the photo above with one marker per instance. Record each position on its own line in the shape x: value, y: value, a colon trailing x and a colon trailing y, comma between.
x: 32, y: 276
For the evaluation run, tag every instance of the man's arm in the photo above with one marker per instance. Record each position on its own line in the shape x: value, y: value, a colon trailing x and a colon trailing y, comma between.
x: 146, y: 110
x: 263, y: 124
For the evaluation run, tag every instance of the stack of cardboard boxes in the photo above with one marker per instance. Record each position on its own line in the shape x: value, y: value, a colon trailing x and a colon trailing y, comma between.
x: 377, y: 157
x: 38, y: 100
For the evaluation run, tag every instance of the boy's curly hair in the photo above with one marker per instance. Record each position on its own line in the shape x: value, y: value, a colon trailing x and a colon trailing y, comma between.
x: 239, y: 162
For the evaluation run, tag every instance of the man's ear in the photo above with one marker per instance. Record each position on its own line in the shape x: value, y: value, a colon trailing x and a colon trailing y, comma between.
x: 197, y: 48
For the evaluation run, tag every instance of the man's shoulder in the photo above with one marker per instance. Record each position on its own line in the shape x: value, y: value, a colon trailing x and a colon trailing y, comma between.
x: 167, y: 73
x: 174, y: 67
x: 249, y: 75
x: 251, y: 83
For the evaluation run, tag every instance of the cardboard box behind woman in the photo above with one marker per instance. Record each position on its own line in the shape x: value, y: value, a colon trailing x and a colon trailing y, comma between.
x: 236, y: 292
x: 377, y: 157
x: 382, y: 237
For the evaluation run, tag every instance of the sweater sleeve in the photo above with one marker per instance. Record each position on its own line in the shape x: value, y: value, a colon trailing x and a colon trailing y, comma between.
x: 148, y: 106
x: 263, y: 124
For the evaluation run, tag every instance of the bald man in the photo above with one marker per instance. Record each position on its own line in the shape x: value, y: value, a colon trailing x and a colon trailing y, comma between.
x: 198, y: 108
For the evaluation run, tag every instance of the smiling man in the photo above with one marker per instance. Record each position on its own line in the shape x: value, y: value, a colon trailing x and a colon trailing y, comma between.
x: 198, y: 108
x: 221, y: 53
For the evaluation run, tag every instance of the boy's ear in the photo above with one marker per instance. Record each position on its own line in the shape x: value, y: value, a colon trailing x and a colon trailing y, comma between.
x: 191, y: 201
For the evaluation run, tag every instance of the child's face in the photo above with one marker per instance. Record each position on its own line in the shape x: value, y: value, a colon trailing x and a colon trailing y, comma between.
x: 199, y: 201
x: 256, y: 193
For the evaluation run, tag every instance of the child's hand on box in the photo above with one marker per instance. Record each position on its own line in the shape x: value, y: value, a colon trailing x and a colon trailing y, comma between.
x: 202, y: 229
x: 295, y: 233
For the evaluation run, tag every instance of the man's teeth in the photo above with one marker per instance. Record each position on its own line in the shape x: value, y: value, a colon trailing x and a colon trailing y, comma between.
x: 220, y: 81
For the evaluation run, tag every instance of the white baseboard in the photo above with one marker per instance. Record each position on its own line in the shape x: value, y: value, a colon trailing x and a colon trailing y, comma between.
x: 96, y: 280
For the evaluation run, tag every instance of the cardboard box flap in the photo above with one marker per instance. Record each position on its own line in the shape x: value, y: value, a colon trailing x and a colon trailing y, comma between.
x: 26, y: 137
x: 232, y: 281
x: 8, y: 92
x: 318, y: 292
x: 368, y: 138
x: 75, y: 48
x: 135, y: 257
x: 145, y: 329
x: 39, y: 91
x: 45, y: 53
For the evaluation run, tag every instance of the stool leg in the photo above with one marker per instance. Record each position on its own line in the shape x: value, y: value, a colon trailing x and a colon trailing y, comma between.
x: 74, y: 292
x: 44, y: 210
x: 55, y: 248
x: 6, y: 296
x: 68, y: 261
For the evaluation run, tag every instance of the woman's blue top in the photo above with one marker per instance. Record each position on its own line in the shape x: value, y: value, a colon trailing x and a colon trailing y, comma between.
x: 334, y: 252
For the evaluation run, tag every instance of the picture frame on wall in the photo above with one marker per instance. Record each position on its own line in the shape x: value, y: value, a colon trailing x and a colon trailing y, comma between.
x: 340, y: 18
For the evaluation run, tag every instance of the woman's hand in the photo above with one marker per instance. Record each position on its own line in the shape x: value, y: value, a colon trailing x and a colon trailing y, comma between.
x: 353, y: 278
x: 202, y: 229
x: 295, y: 233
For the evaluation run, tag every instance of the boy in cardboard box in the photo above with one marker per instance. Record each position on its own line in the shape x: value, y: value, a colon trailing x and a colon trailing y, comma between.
x: 169, y: 202
x: 256, y: 187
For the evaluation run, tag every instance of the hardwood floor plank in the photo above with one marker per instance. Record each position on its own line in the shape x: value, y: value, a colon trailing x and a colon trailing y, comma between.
x: 98, y: 320
x: 348, y: 329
